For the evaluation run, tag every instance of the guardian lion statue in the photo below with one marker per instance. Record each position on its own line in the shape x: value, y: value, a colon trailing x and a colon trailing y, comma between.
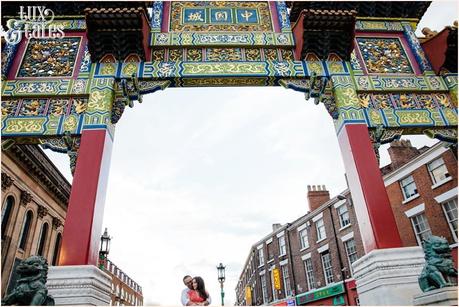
x: 439, y: 271
x: 30, y: 288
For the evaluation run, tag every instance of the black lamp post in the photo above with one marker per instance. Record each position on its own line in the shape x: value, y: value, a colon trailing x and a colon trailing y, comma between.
x: 104, y: 248
x: 221, y: 279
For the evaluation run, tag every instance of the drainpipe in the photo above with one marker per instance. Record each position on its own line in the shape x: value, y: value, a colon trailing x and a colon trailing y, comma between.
x: 290, y: 260
x: 341, y: 266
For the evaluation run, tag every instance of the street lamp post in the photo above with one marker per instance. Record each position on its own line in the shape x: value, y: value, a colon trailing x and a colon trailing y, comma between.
x: 104, y: 249
x: 221, y: 279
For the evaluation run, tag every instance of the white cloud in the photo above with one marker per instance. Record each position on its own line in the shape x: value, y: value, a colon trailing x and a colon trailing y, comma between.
x: 441, y: 13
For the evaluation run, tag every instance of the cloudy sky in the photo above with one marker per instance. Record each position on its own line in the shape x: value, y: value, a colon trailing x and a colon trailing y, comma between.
x: 199, y: 175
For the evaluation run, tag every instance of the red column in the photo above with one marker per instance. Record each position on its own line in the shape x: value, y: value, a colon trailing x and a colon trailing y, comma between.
x: 372, y: 207
x: 83, y: 223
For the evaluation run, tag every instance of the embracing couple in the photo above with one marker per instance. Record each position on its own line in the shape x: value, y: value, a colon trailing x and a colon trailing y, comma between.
x: 195, y: 293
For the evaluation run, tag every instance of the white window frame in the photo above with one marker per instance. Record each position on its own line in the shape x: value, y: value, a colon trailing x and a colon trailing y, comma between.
x: 453, y: 231
x: 269, y: 247
x: 261, y: 257
x: 309, y: 270
x: 318, y: 217
x: 432, y: 169
x: 319, y: 234
x: 402, y: 187
x: 340, y: 215
x: 264, y: 288
x: 282, y: 246
x: 428, y: 229
x: 446, y: 196
x: 415, y: 210
x: 346, y: 247
x: 286, y: 280
x: 347, y: 236
x: 304, y: 238
x: 327, y: 270
x: 323, y: 248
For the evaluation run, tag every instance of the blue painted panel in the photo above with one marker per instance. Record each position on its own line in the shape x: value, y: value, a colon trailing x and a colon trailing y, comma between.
x: 224, y: 15
x: 194, y: 15
x: 247, y: 16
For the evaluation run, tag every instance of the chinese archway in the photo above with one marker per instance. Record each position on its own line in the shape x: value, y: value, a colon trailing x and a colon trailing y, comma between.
x: 361, y: 60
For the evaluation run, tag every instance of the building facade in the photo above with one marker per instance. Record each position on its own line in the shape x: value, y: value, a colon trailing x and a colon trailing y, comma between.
x: 423, y: 192
x: 309, y: 261
x: 34, y: 206
x: 125, y: 291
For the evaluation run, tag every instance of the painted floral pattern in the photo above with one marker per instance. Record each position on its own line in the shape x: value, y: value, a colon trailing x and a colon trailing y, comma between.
x: 384, y: 55
x: 9, y: 107
x: 58, y: 107
x: 50, y: 57
x: 253, y: 54
x: 405, y: 101
x: 223, y: 54
x: 32, y: 107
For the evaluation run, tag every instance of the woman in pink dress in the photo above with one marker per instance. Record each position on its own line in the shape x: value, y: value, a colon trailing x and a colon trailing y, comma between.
x: 198, y: 296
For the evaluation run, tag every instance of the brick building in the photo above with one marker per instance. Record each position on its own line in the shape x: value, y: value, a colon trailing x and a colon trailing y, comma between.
x: 423, y: 191
x: 309, y: 259
x: 125, y: 291
x: 34, y: 206
x: 309, y: 253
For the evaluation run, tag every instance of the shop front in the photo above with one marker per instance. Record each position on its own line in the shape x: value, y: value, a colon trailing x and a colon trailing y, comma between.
x: 331, y: 295
x: 285, y: 302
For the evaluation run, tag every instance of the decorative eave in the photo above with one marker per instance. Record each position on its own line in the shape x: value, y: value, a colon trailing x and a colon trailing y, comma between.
x: 117, y: 31
x: 40, y: 167
x: 383, y: 9
x: 441, y: 48
x: 429, y: 34
x: 324, y: 32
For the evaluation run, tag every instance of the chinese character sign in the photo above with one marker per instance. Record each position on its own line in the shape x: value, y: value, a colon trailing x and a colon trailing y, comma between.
x: 248, y: 295
x: 276, y: 277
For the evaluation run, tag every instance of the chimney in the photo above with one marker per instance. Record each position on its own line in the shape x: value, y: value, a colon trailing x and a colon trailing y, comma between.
x: 276, y: 226
x: 317, y: 195
x: 400, y: 152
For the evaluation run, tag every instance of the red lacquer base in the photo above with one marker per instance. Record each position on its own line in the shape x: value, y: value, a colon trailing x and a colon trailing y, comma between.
x: 83, y: 223
x: 372, y: 207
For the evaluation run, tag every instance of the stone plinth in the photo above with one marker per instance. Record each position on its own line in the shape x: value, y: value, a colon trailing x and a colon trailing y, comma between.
x: 389, y: 276
x: 79, y: 285
x: 440, y: 297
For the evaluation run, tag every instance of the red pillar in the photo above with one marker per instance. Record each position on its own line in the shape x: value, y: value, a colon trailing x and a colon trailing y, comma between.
x: 83, y: 223
x: 372, y: 207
